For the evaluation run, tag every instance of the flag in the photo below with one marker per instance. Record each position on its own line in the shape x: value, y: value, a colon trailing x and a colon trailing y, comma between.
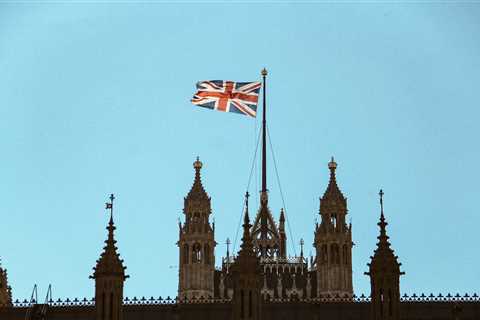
x: 228, y: 96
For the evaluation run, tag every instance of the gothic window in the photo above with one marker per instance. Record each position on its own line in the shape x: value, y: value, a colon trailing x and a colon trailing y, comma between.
x: 333, y: 219
x: 185, y: 254
x: 196, y: 253
x: 206, y: 254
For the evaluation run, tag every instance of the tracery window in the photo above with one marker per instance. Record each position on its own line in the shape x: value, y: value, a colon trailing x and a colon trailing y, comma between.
x: 197, y: 253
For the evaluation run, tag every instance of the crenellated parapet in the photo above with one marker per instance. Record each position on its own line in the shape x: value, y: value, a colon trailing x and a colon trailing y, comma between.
x: 405, y: 298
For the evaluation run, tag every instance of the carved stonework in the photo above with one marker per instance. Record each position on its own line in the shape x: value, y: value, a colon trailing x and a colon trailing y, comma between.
x: 384, y: 272
x: 109, y: 275
x: 333, y: 242
x: 196, y: 243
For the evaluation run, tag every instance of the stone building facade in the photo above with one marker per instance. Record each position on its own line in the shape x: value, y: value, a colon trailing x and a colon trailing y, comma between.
x: 261, y: 281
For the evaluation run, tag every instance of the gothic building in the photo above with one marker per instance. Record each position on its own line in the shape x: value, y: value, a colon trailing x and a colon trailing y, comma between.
x: 262, y: 281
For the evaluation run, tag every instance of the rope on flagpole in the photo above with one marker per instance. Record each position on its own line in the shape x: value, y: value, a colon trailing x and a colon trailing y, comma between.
x: 248, y: 186
x: 281, y: 192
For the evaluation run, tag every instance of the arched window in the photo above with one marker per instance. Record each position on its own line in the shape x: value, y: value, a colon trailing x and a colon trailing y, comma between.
x: 333, y: 219
x: 197, y: 253
x: 206, y: 254
x: 185, y: 254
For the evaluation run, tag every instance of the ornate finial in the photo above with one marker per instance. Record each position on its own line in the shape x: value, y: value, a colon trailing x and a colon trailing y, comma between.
x: 247, y: 218
x: 381, y: 200
x: 228, y: 247
x: 264, y: 72
x: 109, y: 205
x: 198, y: 164
x: 110, y: 262
x: 301, y: 247
x: 282, y: 215
x: 332, y: 165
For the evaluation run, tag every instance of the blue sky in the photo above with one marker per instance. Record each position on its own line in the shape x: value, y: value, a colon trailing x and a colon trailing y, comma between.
x: 94, y: 99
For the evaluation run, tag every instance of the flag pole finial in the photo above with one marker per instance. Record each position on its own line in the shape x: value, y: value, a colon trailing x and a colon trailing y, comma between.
x: 264, y: 72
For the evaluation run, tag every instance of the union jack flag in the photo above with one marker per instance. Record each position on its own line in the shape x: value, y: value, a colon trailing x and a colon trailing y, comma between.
x: 228, y: 96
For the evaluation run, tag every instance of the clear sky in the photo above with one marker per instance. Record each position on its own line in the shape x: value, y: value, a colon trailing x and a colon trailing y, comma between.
x: 94, y: 99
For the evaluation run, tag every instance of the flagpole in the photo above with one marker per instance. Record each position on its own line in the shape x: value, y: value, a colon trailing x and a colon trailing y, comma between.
x: 264, y: 138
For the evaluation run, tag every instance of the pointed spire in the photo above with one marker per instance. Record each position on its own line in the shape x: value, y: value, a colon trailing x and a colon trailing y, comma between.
x: 333, y: 192
x: 282, y: 216
x: 110, y: 263
x: 384, y: 256
x: 247, y: 260
x: 197, y: 192
x: 247, y: 238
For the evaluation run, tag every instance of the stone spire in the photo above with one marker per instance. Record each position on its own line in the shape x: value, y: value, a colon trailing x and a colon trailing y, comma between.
x: 109, y: 275
x: 197, y: 192
x: 384, y: 257
x: 5, y: 289
x: 246, y: 276
x: 110, y: 263
x: 196, y: 243
x: 333, y: 193
x: 247, y: 244
x: 333, y: 242
x: 384, y: 272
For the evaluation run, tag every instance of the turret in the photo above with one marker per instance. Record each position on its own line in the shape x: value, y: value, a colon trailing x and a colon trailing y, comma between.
x: 246, y: 275
x: 109, y: 275
x: 196, y: 243
x: 384, y: 272
x: 5, y: 289
x: 333, y: 242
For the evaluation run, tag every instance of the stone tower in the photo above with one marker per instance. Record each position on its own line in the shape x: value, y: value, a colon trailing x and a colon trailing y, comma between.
x: 109, y: 275
x: 333, y: 242
x: 196, y: 243
x: 246, y: 275
x: 384, y: 272
x: 5, y: 289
